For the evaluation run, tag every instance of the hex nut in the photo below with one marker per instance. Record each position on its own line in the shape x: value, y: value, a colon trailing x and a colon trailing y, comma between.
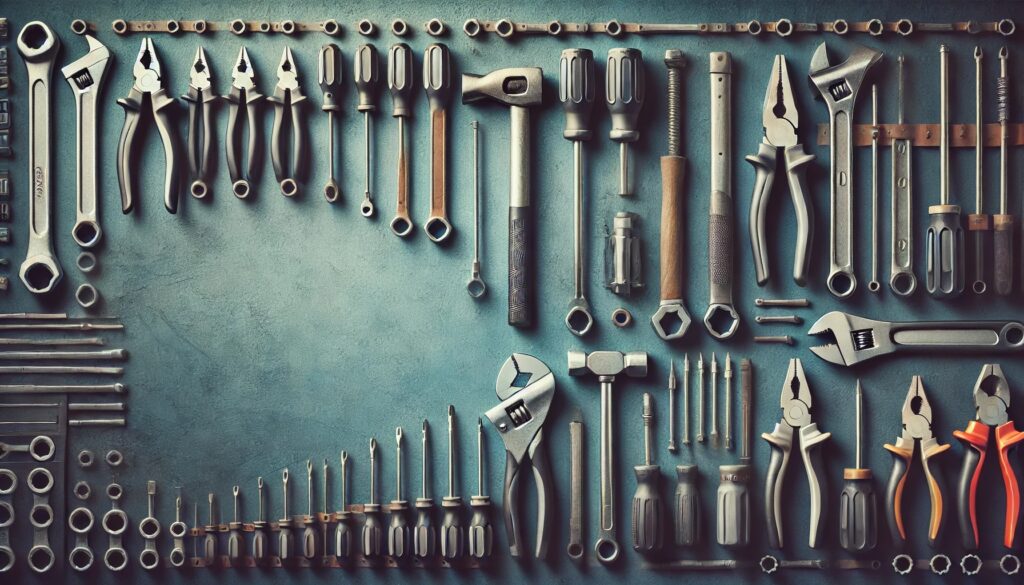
x: 621, y: 317
x: 471, y: 27
x: 970, y: 564
x: 86, y: 458
x: 115, y: 491
x: 399, y: 27
x: 940, y: 564
x: 366, y: 27
x: 120, y: 26
x: 613, y: 28
x: 86, y: 262
x: 87, y: 295
x: 83, y: 490
x: 875, y: 27
x: 504, y: 28
x: 435, y: 27
x: 8, y: 482
x: 330, y: 27
x: 238, y: 26
x: 840, y: 26
x: 114, y: 458
x: 784, y: 27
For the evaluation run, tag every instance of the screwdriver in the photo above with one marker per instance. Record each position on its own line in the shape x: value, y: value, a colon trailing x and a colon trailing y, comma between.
x: 978, y: 222
x: 400, y: 85
x: 285, y: 540
x: 309, y: 533
x: 481, y: 534
x: 1003, y: 221
x: 210, y: 542
x: 259, y: 535
x: 235, y: 542
x: 367, y: 76
x: 343, y: 529
x: 734, y: 480
x: 372, y: 525
x: 451, y: 527
x: 398, y: 532
x: 687, y: 519
x: 425, y: 535
x: 329, y: 76
x: 945, y: 241
x: 624, y: 91
x: 647, y: 509
x: 858, y: 509
x: 325, y: 519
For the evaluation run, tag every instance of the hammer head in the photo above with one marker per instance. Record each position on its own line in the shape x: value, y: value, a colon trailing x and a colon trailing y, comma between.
x: 514, y: 86
x: 608, y: 363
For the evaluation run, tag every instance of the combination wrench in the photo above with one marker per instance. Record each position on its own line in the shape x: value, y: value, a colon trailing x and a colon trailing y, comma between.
x: 838, y: 85
x: 86, y: 79
x: 39, y: 46
x: 437, y: 81
x: 902, y: 280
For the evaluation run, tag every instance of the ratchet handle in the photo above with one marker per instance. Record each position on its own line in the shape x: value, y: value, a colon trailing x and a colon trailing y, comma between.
x: 1003, y: 253
x: 796, y: 171
x: 781, y: 442
x: 811, y: 441
x: 168, y: 134
x: 975, y: 440
x: 764, y: 168
x: 673, y: 175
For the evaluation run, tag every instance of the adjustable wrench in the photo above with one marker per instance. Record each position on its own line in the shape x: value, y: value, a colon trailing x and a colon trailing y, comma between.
x: 838, y: 85
x: 39, y: 46
x: 86, y: 79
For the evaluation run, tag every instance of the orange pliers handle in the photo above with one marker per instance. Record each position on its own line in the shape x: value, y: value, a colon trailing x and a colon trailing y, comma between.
x: 975, y: 440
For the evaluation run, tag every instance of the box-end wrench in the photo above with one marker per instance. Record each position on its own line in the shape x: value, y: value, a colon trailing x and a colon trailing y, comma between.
x: 39, y: 46
x: 902, y: 280
x: 437, y: 81
x: 86, y: 79
x: 838, y: 85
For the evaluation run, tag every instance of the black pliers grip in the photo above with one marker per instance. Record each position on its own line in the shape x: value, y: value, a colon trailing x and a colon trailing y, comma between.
x: 288, y: 103
x: 126, y: 147
x: 247, y: 101
x: 200, y: 145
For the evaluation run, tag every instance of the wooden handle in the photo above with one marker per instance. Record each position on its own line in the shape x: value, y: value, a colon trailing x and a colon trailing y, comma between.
x: 438, y: 157
x: 673, y: 173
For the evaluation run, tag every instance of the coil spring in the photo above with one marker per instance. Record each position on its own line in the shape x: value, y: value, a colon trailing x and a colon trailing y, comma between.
x: 519, y: 414
x: 863, y: 339
x: 1003, y: 98
x: 674, y: 123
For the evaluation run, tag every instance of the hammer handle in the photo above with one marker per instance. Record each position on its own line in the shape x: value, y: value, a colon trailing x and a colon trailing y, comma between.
x: 519, y: 221
x: 673, y: 171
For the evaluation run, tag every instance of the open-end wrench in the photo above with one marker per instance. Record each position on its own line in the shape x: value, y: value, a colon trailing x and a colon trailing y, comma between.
x: 902, y: 280
x: 437, y: 81
x: 39, y: 46
x: 838, y: 85
x: 86, y: 79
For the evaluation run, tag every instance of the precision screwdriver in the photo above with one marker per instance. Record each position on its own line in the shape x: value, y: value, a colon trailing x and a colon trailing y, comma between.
x: 329, y: 76
x: 734, y: 480
x: 235, y: 542
x: 343, y: 528
x: 1003, y: 221
x: 978, y: 222
x: 309, y: 533
x: 400, y: 84
x: 398, y: 532
x: 451, y: 527
x: 259, y: 535
x: 285, y: 539
x: 647, y: 506
x: 624, y: 91
x: 945, y: 241
x: 425, y: 535
x: 367, y: 76
x: 480, y: 534
x: 728, y: 402
x: 858, y: 508
x: 372, y: 525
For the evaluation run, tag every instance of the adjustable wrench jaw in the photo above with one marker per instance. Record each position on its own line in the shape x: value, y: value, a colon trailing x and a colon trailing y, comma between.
x: 86, y: 74
x: 850, y: 339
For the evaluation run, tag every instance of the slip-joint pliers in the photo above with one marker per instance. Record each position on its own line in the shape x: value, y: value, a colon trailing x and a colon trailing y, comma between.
x: 200, y: 123
x: 288, y: 97
x: 243, y: 96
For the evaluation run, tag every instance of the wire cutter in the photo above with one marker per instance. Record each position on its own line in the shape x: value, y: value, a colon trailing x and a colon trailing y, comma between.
x: 917, y: 426
x: 148, y: 81
x: 796, y: 414
x: 781, y: 121
x: 243, y: 96
x: 287, y: 96
x: 525, y: 387
x: 200, y: 123
x: 991, y: 403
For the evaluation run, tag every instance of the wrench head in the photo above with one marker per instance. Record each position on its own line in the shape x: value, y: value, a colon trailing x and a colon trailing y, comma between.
x: 526, y: 387
x: 37, y: 43
x: 86, y: 73
x: 849, y: 339
x: 519, y: 371
x: 579, y: 320
x: 40, y: 273
x: 838, y: 84
x: 671, y: 320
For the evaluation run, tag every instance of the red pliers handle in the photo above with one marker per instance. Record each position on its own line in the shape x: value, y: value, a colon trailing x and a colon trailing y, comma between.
x: 975, y: 440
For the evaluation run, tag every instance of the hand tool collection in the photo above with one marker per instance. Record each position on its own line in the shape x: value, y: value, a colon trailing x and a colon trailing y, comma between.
x: 409, y: 532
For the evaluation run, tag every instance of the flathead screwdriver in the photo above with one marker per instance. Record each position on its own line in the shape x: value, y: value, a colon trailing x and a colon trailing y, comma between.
x: 343, y: 529
x: 624, y: 92
x: 259, y: 535
x: 451, y: 526
x: 367, y: 76
x: 858, y: 509
x: 210, y: 542
x: 329, y: 76
x: 647, y: 505
x: 1003, y: 221
x: 235, y: 541
x: 733, y: 510
x: 398, y: 531
x: 285, y: 539
x: 481, y: 533
x: 309, y: 533
x: 424, y: 536
x: 400, y: 84
x: 373, y: 527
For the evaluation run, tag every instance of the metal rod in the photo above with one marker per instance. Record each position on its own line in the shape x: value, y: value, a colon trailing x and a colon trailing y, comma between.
x: 54, y: 342
x: 96, y: 406
x: 97, y: 422
x: 36, y: 316
x: 860, y: 421
x: 61, y: 370
x: 61, y: 327
x: 61, y: 389
x: 106, y: 354
x: 944, y: 125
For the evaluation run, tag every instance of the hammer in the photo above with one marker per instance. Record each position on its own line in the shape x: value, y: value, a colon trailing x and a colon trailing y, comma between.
x: 519, y: 88
x: 606, y: 365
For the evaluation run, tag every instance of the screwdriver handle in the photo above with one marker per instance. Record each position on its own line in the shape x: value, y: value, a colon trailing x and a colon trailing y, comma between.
x: 451, y: 527
x: 576, y: 89
x: 1003, y: 256
x: 734, y: 505
x: 624, y: 92
x: 688, y: 522
x: 329, y: 76
x: 399, y: 536
x: 858, y: 511
x: 343, y: 535
x: 647, y: 509
x: 259, y: 542
x: 944, y: 246
x: 373, y: 531
x: 425, y: 534
x: 285, y: 542
x: 366, y: 68
x: 309, y: 547
x: 481, y: 533
x: 400, y: 79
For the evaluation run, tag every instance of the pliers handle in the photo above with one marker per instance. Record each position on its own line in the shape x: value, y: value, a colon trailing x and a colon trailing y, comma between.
x: 290, y: 100
x: 796, y: 171
x: 542, y: 476
x: 239, y: 179
x: 975, y: 440
x: 126, y: 147
x: 199, y: 147
x: 901, y: 457
x: 781, y: 442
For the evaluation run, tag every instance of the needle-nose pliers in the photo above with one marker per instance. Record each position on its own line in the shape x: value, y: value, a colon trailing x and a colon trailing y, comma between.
x: 288, y: 97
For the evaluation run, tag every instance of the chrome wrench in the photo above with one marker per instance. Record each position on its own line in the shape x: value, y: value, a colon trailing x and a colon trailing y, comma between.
x: 838, y: 85
x: 39, y: 46
x: 902, y: 280
x: 86, y: 79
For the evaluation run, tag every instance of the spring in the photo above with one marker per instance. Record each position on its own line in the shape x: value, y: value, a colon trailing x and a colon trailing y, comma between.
x: 674, y: 123
x: 1003, y: 98
x: 863, y: 339
x: 519, y: 414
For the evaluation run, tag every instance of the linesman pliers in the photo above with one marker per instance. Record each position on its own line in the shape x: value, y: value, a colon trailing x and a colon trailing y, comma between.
x: 243, y: 96
x: 991, y: 402
x: 525, y: 387
x: 200, y: 123
x: 781, y: 120
x: 916, y: 417
x: 148, y: 81
x: 796, y: 414
x: 288, y: 97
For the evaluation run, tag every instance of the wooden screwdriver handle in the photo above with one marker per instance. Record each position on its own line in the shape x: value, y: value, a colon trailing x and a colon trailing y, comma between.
x: 673, y: 173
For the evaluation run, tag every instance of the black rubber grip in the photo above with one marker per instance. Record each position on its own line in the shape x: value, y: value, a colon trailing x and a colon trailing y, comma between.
x: 1003, y: 259
x: 893, y: 507
x: 965, y: 494
x: 519, y: 277
x: 858, y: 516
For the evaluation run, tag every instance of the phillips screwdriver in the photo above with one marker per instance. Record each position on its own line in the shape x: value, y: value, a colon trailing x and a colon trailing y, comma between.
x: 978, y: 222
x: 367, y: 76
x: 425, y: 535
x: 285, y: 539
x: 480, y: 534
x: 372, y: 525
x: 647, y: 506
x: 734, y: 480
x: 945, y: 241
x: 400, y: 85
x: 343, y: 529
x: 451, y: 527
x: 309, y: 533
x: 858, y: 508
x: 1003, y: 221
x: 398, y: 532
x: 624, y: 91
x: 210, y: 542
x: 437, y: 81
x: 235, y: 542
x: 329, y: 77
x: 259, y: 535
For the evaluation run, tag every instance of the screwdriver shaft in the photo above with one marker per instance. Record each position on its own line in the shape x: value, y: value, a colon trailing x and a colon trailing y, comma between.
x: 672, y: 406
x: 700, y: 398
x: 686, y: 399
x: 714, y: 400
x: 1003, y: 222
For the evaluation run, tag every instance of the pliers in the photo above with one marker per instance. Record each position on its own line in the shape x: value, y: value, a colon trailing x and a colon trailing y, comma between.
x: 243, y: 96
x: 991, y: 403
x: 200, y: 123
x: 288, y: 96
x: 916, y: 419
x: 796, y: 414
x: 148, y: 81
x: 525, y: 387
x: 781, y: 120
